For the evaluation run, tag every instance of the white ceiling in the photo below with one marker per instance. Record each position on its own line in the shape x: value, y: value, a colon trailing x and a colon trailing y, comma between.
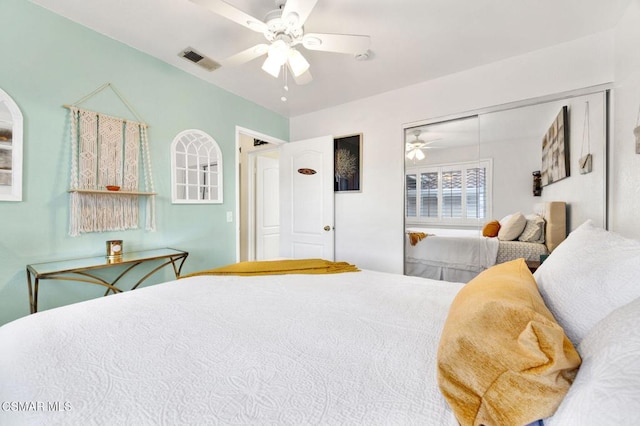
x: 411, y: 40
x: 446, y: 134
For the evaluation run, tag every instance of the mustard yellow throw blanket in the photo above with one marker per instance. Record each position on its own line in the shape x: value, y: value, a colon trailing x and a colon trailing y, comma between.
x: 416, y: 237
x: 280, y: 267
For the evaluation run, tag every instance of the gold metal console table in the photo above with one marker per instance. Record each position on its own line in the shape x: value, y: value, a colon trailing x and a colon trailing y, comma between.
x: 80, y: 270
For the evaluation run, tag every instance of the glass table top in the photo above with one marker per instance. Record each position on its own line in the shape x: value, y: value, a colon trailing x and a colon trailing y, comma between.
x: 95, y: 262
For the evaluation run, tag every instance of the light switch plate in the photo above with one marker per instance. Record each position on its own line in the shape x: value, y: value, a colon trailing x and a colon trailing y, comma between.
x: 229, y: 216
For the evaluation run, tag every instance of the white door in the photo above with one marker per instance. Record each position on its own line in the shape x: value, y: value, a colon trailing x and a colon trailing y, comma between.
x: 267, y: 208
x: 306, y: 199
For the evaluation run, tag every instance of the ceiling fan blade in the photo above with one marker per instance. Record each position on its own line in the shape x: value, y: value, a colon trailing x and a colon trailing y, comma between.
x: 224, y: 9
x: 245, y: 56
x: 302, y: 79
x: 301, y: 9
x: 341, y: 43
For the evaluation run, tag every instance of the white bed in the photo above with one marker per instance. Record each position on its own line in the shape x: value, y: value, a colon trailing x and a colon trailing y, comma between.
x: 357, y: 348
x: 352, y: 348
x: 450, y: 258
x: 460, y: 255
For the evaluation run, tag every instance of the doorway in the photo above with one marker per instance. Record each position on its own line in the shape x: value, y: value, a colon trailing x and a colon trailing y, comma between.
x: 258, y: 212
x: 310, y: 219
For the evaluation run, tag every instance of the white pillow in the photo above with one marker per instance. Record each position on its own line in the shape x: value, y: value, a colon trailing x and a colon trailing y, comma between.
x: 511, y: 227
x: 534, y: 229
x: 587, y: 276
x: 606, y: 390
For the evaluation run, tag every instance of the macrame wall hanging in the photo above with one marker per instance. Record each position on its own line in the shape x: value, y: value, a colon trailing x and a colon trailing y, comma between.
x: 109, y: 158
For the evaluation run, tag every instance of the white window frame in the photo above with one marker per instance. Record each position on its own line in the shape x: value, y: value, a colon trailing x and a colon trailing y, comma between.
x: 440, y: 168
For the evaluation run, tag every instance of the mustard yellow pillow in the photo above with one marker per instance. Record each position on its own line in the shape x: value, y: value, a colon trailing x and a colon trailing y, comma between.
x: 502, y: 358
x: 490, y: 229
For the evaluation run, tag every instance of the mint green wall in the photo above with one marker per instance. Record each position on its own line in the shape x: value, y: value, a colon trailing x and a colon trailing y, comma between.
x: 47, y: 61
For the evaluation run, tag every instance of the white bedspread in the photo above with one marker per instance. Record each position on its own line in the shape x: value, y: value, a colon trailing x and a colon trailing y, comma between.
x: 353, y: 348
x: 473, y: 254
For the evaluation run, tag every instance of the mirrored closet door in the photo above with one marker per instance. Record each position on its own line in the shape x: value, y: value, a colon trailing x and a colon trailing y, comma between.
x: 465, y: 171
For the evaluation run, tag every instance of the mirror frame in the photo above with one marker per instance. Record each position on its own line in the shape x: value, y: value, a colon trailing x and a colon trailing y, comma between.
x: 17, y: 122
x: 209, y: 153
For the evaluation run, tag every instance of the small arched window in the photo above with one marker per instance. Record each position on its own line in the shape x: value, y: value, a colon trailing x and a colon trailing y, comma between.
x: 196, y: 168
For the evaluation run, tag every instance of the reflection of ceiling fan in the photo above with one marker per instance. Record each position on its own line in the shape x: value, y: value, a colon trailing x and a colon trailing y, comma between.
x: 414, y: 148
x: 283, y: 29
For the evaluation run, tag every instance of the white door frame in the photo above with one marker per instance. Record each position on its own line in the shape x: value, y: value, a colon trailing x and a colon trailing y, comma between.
x: 257, y: 135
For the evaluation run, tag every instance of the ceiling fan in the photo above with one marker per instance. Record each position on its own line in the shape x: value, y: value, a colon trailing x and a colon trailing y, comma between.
x: 284, y: 31
x: 414, y: 148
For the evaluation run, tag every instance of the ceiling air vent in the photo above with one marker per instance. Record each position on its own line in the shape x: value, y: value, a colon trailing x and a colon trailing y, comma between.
x: 198, y: 58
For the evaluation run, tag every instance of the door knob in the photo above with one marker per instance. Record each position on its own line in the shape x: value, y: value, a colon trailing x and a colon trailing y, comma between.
x: 327, y: 228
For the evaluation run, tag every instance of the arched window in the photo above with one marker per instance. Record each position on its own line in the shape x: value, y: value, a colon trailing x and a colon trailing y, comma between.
x: 196, y: 168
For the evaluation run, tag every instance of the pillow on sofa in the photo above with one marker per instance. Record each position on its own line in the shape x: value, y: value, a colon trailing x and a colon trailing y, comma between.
x: 511, y: 227
x: 490, y: 229
x: 606, y: 390
x: 533, y: 231
x: 502, y: 358
x: 587, y: 276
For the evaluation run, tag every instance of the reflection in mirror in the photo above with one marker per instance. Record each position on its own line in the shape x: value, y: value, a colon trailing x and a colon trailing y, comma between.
x: 447, y: 198
x: 446, y: 185
x: 196, y: 168
x: 462, y: 174
x: 514, y: 139
x: 10, y: 149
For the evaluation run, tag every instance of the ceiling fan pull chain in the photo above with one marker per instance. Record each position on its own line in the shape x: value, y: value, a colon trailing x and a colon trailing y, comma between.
x: 285, y: 87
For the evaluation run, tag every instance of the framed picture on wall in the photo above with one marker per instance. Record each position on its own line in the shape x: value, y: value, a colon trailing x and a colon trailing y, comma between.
x: 347, y: 155
x: 555, y: 150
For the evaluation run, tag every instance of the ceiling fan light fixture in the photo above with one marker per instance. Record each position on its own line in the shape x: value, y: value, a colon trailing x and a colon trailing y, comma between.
x: 297, y: 63
x: 419, y: 154
x: 279, y: 52
x: 272, y: 66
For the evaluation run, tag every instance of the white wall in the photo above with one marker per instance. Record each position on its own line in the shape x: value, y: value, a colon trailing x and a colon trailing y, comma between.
x: 625, y: 163
x: 369, y: 224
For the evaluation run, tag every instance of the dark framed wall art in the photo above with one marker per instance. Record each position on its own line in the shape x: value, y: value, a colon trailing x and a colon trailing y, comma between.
x: 555, y: 149
x: 347, y: 155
